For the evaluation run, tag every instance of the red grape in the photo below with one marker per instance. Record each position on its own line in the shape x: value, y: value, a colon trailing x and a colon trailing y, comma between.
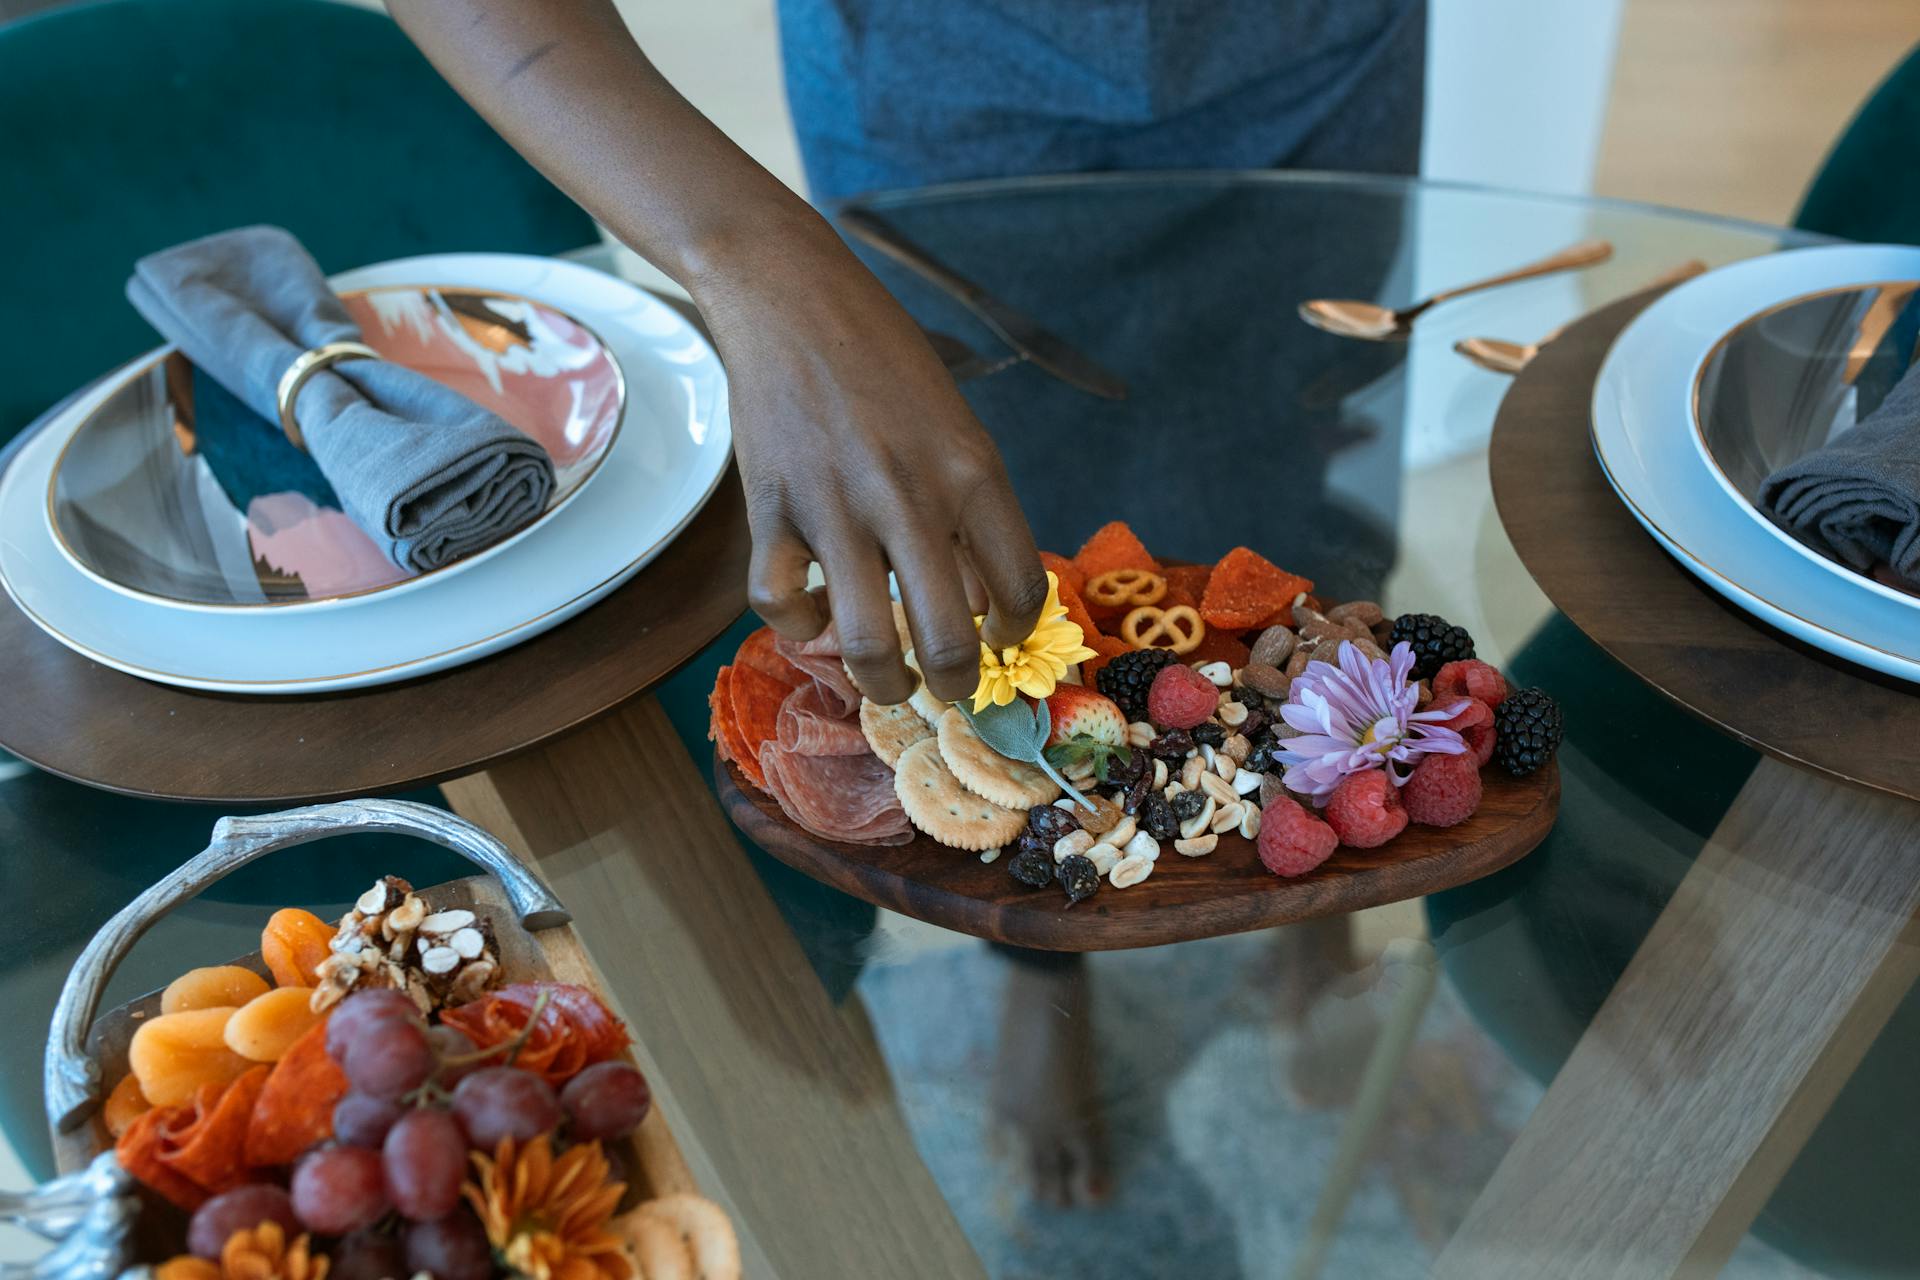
x: 360, y: 1120
x: 389, y: 1060
x: 505, y: 1102
x: 452, y: 1248
x: 607, y: 1100
x: 241, y: 1209
x: 426, y: 1158
x: 363, y: 1012
x: 452, y: 1042
x: 368, y: 1255
x: 339, y: 1189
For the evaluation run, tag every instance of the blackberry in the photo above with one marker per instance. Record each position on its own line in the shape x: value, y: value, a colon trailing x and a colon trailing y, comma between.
x: 1127, y: 678
x: 1527, y: 730
x: 1051, y: 823
x: 1188, y: 804
x: 1078, y: 876
x: 1156, y: 815
x: 1032, y: 867
x: 1209, y: 734
x: 1435, y: 641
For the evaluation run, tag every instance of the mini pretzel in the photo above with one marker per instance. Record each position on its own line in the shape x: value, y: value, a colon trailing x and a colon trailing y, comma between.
x: 1118, y: 587
x: 1151, y: 627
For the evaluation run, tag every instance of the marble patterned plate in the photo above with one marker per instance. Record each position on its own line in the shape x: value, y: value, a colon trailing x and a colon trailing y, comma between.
x: 175, y: 492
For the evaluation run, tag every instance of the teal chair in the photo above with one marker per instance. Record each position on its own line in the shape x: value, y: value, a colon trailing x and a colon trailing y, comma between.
x: 130, y: 125
x: 1869, y: 187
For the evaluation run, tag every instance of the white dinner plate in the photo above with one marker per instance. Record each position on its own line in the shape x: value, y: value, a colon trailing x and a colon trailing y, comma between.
x: 1643, y: 433
x: 671, y: 452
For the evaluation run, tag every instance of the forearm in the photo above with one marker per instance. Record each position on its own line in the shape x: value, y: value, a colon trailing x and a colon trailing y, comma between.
x: 564, y: 82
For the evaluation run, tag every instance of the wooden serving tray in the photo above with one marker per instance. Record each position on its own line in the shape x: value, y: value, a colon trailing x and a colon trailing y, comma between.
x: 532, y: 933
x: 1227, y: 891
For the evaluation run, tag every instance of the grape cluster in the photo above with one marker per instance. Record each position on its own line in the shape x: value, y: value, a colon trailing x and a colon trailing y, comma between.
x: 421, y: 1098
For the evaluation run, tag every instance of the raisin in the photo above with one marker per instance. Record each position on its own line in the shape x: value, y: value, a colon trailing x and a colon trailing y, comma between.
x: 1253, y: 724
x: 1209, y: 734
x: 1124, y: 771
x: 1171, y: 745
x: 1248, y: 698
x: 1157, y: 816
x: 1034, y: 842
x: 1032, y: 867
x: 1136, y: 794
x: 1260, y: 757
x: 1051, y: 823
x: 1188, y: 804
x: 1078, y: 876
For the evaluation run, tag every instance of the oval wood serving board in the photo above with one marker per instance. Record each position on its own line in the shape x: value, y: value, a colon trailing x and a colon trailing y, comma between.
x: 1228, y: 891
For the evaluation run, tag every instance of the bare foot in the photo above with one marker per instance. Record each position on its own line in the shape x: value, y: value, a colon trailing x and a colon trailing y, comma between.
x: 1046, y: 1093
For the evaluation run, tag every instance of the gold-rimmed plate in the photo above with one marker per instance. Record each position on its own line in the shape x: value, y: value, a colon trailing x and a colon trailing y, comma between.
x: 173, y: 491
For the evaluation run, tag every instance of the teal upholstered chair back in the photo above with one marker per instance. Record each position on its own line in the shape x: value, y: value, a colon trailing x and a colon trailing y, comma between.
x: 129, y: 125
x: 1869, y: 187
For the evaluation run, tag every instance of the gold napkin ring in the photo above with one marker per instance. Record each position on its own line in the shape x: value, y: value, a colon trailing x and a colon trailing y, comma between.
x: 304, y: 366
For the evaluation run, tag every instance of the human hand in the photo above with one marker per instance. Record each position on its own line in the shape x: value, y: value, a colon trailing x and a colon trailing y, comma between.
x: 856, y: 450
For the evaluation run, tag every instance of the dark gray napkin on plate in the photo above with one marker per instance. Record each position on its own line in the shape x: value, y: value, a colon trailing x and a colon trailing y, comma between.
x: 429, y: 475
x: 1858, y: 499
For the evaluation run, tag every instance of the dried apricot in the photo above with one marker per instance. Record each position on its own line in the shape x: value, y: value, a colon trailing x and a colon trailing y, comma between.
x: 175, y: 1053
x: 124, y: 1105
x: 219, y: 986
x: 293, y: 944
x: 267, y: 1025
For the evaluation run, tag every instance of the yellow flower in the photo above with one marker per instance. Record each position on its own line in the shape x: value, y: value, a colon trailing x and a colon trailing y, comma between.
x: 1036, y: 664
x: 259, y: 1253
x: 548, y: 1216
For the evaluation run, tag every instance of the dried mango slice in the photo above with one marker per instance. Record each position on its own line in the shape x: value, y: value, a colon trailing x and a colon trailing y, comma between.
x: 293, y: 944
x: 295, y: 1107
x: 124, y: 1105
x: 1069, y: 573
x: 1077, y: 612
x: 1114, y: 546
x: 1109, y: 648
x: 1246, y: 590
x: 1186, y: 583
x: 214, y: 987
x: 267, y: 1026
x: 175, y: 1054
x: 1220, y: 646
x: 209, y: 1146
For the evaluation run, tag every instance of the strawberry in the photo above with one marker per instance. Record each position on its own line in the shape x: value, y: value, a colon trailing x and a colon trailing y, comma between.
x: 1078, y: 712
x: 1087, y: 727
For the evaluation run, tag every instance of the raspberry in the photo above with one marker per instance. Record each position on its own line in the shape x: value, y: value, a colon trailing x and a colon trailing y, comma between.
x: 1443, y: 791
x: 1292, y: 841
x: 1365, y: 810
x: 1181, y: 697
x: 1470, y: 678
x: 1474, y: 722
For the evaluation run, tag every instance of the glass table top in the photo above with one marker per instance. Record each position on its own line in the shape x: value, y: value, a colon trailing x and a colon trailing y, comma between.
x: 1326, y: 1099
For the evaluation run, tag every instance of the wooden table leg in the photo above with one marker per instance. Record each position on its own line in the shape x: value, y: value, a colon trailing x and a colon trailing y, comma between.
x: 1747, y: 1007
x: 783, y: 1111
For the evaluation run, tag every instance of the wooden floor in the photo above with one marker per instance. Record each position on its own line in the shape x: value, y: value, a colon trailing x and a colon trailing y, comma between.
x: 1729, y: 106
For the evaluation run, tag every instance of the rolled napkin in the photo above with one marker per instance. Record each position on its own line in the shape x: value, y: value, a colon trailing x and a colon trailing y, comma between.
x: 429, y: 475
x: 1858, y: 499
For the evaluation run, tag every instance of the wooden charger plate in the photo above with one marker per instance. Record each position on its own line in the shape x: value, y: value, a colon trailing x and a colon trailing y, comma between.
x: 1227, y: 891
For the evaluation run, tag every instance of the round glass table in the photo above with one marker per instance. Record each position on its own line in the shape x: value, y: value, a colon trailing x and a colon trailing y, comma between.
x: 1462, y: 1085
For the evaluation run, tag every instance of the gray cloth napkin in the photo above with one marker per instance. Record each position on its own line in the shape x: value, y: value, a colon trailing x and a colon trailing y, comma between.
x: 1858, y: 499
x: 429, y: 475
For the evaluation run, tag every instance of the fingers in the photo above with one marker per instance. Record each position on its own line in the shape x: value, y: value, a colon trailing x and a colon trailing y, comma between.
x: 1000, y: 549
x: 777, y: 585
x: 945, y: 644
x: 863, y: 611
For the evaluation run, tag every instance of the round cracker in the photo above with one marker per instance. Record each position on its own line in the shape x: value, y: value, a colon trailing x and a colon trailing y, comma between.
x: 986, y: 772
x: 937, y: 804
x: 659, y: 1249
x: 923, y: 701
x: 891, y: 730
x: 703, y: 1227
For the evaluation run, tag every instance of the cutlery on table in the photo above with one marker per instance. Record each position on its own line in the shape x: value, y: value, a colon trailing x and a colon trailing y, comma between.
x: 1371, y: 322
x: 1047, y: 350
x: 1497, y: 355
x: 962, y: 361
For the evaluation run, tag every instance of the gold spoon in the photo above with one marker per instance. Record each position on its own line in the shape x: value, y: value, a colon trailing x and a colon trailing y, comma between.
x: 1497, y: 355
x: 1374, y: 323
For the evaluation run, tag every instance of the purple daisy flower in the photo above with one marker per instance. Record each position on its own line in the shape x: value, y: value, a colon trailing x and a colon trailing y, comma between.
x: 1357, y: 716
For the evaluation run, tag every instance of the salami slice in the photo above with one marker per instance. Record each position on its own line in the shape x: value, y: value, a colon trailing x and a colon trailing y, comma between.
x: 808, y: 729
x: 848, y: 798
x: 820, y: 659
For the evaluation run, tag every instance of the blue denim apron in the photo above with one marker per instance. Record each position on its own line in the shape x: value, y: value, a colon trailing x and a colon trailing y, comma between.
x: 904, y: 93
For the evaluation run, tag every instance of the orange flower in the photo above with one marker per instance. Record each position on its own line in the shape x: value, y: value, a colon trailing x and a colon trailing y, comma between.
x: 548, y: 1216
x: 259, y: 1254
